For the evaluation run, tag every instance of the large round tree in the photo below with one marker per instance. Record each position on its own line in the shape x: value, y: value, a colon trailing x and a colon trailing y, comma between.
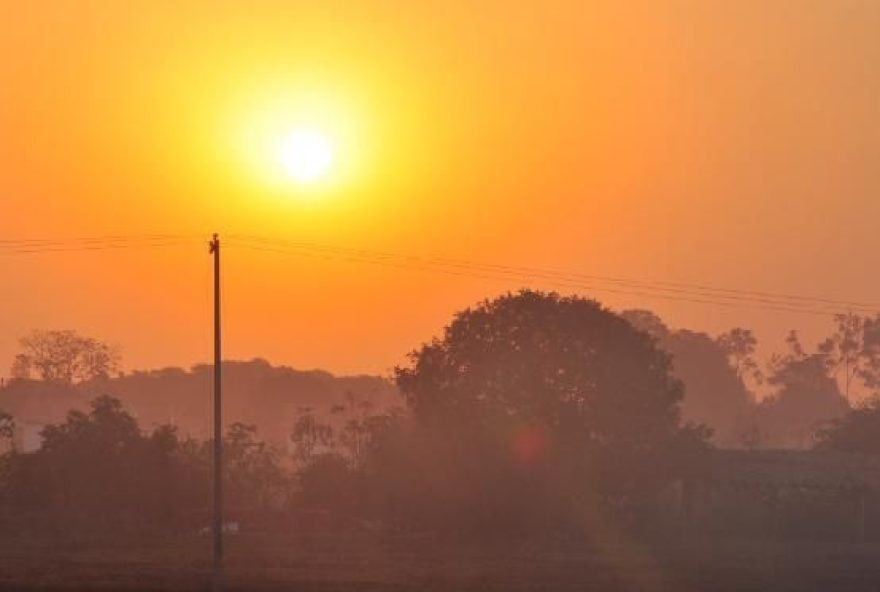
x: 557, y: 393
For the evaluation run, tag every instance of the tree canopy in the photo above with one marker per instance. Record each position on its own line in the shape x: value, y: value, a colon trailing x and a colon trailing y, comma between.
x: 541, y: 357
x: 856, y: 431
x: 64, y: 356
x: 534, y: 387
x: 99, y: 471
x: 712, y: 370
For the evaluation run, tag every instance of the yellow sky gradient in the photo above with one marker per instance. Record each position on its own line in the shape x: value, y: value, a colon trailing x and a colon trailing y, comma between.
x: 728, y: 143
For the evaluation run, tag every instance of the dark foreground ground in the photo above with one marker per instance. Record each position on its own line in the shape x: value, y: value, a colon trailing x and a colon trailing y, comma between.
x: 334, y: 563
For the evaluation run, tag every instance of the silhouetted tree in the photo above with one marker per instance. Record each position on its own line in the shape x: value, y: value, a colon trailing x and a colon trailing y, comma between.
x: 870, y: 370
x: 715, y: 394
x: 328, y: 482
x: 94, y: 468
x: 843, y: 350
x: 805, y: 396
x: 64, y: 356
x: 255, y: 478
x: 355, y: 431
x: 739, y: 344
x: 856, y: 431
x: 532, y: 401
x: 309, y: 435
x: 354, y: 473
x: 852, y: 353
x: 647, y: 322
x: 99, y: 471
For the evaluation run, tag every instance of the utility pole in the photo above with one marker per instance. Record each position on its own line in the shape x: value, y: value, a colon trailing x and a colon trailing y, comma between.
x: 217, y: 584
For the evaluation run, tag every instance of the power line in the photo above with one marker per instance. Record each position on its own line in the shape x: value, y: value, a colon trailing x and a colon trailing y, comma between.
x: 648, y: 289
x: 447, y: 271
x: 89, y: 239
x: 703, y: 295
x: 675, y: 287
x: 556, y: 283
x: 36, y: 246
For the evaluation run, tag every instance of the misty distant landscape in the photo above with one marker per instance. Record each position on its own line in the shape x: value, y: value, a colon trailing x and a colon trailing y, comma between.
x: 535, y: 424
x: 259, y: 394
x: 402, y: 296
x: 781, y: 401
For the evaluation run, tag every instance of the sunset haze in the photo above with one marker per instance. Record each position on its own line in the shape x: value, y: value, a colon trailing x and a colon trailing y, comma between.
x: 734, y: 144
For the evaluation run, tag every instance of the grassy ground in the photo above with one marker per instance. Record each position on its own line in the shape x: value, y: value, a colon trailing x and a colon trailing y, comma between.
x: 359, y: 563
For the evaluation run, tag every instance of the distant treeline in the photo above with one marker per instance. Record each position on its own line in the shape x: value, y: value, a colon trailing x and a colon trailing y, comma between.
x: 531, y: 412
x: 800, y: 390
x: 257, y: 393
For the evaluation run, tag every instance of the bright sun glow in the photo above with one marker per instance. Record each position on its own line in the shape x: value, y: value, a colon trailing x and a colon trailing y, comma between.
x: 297, y: 145
x: 305, y: 155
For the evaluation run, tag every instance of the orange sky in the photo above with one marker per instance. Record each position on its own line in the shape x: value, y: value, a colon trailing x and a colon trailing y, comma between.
x: 729, y: 143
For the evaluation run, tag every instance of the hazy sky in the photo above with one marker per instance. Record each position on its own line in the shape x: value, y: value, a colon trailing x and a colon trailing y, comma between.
x: 729, y: 143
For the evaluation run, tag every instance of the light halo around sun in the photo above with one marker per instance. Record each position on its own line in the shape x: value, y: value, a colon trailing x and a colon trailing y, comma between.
x: 298, y: 146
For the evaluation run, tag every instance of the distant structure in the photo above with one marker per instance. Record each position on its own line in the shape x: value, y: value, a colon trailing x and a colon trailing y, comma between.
x: 786, y: 494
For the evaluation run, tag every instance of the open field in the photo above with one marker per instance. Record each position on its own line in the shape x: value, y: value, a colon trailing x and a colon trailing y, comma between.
x: 272, y: 563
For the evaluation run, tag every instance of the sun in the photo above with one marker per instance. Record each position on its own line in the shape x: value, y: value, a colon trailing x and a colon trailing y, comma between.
x: 296, y: 145
x: 305, y: 155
